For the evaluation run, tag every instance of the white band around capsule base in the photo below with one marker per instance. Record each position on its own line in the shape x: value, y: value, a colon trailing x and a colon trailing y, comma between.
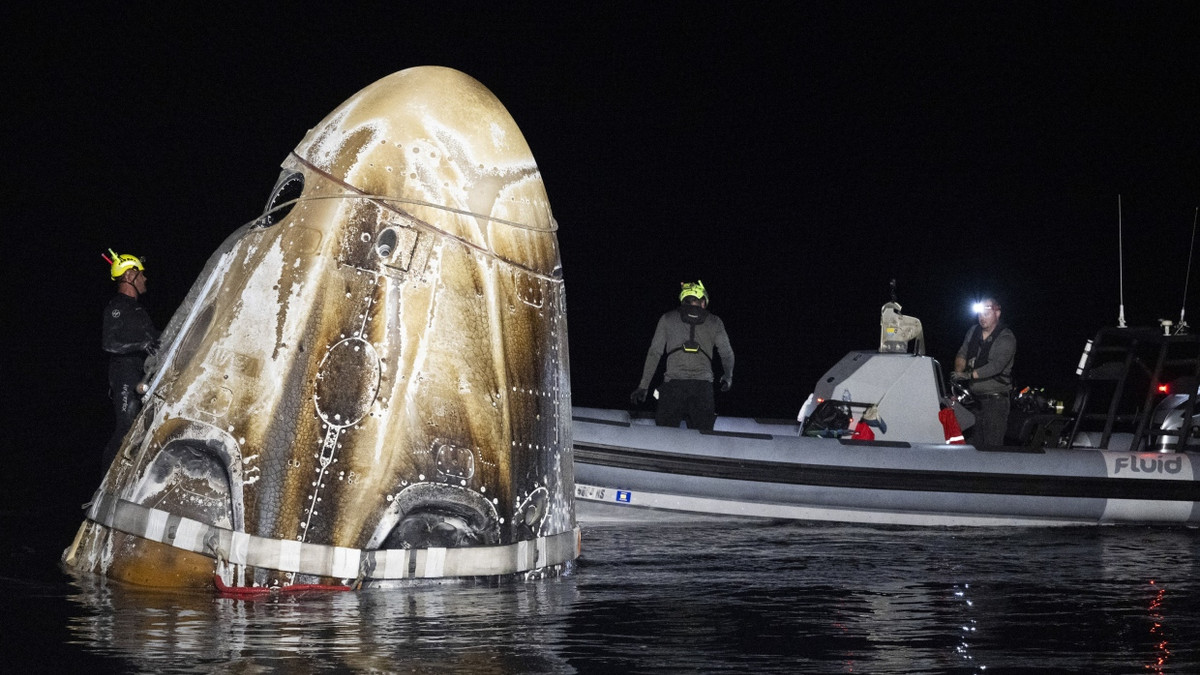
x: 339, y: 562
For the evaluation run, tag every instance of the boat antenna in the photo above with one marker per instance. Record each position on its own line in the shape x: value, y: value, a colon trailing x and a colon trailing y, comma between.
x: 1121, y: 266
x: 893, y: 283
x: 1183, y: 327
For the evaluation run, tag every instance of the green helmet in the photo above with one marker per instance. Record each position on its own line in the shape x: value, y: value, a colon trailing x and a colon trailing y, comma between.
x: 120, y: 264
x: 695, y: 290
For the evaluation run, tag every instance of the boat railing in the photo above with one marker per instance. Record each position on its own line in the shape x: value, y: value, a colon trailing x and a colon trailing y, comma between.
x: 1125, y: 375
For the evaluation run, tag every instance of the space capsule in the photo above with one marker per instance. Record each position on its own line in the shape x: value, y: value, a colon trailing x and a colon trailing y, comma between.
x: 368, y: 384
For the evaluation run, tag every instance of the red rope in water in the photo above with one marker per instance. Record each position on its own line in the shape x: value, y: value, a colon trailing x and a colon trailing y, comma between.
x: 259, y: 591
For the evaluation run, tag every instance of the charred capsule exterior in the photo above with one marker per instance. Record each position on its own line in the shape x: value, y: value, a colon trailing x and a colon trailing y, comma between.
x: 370, y: 382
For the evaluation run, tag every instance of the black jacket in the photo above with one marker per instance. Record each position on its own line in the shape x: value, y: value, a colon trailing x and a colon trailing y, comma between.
x: 128, y: 333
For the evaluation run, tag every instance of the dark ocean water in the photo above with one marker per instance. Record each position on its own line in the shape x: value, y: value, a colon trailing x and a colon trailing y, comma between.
x: 717, y: 596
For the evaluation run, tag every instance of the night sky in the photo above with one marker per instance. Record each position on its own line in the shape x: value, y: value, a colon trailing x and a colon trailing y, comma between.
x: 796, y: 158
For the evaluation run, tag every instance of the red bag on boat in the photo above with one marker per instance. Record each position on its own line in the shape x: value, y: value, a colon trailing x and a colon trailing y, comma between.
x: 862, y: 432
x: 950, y: 426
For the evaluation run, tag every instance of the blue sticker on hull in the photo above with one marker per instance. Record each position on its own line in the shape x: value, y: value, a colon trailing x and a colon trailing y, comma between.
x: 623, y: 496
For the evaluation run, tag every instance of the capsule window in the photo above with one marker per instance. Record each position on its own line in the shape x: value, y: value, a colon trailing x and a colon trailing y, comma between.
x: 287, y: 190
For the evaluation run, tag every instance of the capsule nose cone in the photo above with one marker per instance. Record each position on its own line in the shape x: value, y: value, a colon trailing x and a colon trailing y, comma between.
x: 435, y: 138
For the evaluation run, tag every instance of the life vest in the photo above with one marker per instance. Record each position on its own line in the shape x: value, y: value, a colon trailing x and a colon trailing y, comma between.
x: 978, y: 349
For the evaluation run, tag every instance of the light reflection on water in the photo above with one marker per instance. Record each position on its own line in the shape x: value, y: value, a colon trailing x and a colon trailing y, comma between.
x: 502, y: 628
x: 735, y: 595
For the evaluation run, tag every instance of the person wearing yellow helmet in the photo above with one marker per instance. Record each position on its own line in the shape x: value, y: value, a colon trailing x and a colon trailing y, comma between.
x: 121, y: 263
x: 129, y: 336
x: 689, y: 337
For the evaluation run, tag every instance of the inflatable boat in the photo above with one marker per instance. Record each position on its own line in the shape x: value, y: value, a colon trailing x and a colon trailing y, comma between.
x: 1123, y: 453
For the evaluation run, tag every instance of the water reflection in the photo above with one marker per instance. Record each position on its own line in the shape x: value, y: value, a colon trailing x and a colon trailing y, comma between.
x: 434, y: 627
x: 1141, y: 561
x: 1115, y: 599
x: 738, y: 597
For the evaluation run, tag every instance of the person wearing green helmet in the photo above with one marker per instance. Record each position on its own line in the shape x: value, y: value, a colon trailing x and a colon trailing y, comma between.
x: 689, y: 337
x: 129, y: 336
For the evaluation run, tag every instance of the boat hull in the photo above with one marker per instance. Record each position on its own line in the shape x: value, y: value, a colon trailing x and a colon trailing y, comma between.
x: 753, y: 469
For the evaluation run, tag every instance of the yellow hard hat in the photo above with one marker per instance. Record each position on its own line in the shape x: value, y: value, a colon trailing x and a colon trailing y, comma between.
x: 695, y: 290
x: 120, y: 264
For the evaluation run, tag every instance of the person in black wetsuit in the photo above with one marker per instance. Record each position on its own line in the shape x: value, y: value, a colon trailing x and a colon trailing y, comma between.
x: 129, y: 336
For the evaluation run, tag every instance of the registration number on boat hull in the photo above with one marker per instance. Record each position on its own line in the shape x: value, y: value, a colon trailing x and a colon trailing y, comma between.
x: 599, y: 494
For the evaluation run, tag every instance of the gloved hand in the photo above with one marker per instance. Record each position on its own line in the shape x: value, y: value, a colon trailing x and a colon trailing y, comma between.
x: 151, y: 346
x: 960, y: 377
x: 637, y: 396
x: 726, y: 382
